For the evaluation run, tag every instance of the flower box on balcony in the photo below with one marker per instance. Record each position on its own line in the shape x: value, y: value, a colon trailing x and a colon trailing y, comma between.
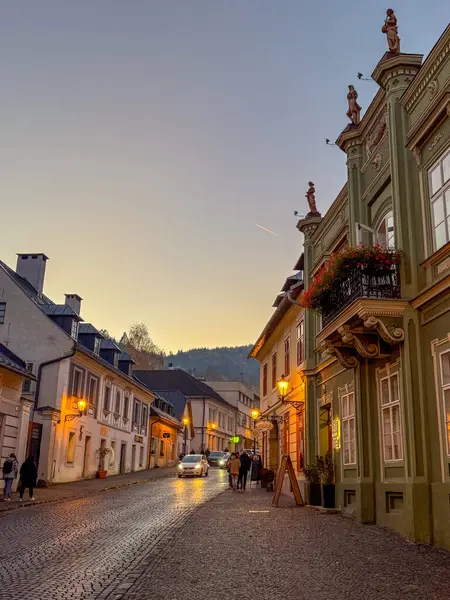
x: 362, y: 272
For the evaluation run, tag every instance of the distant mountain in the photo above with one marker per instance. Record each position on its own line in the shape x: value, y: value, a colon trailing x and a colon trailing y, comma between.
x: 218, y: 364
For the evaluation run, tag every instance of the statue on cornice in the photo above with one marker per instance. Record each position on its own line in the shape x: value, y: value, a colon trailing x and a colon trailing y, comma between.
x: 391, y: 30
x: 311, y: 197
x: 354, y: 109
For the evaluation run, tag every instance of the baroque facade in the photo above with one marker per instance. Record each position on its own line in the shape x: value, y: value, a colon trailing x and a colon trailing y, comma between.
x: 376, y: 371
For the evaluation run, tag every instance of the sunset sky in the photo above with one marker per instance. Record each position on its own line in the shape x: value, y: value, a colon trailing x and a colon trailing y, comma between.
x: 143, y: 141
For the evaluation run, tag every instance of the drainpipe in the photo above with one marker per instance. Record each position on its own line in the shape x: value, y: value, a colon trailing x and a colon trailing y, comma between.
x: 150, y: 443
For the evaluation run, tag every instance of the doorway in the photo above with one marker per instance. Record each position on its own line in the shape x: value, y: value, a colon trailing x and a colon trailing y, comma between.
x: 123, y: 456
x: 87, y: 454
x: 133, y: 457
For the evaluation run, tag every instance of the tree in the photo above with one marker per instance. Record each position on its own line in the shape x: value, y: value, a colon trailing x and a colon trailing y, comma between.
x: 139, y: 337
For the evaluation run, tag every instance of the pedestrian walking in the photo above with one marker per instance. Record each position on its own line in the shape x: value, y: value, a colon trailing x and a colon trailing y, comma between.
x: 207, y: 453
x: 256, y: 468
x: 235, y: 463
x: 10, y: 470
x: 245, y: 464
x: 28, y: 477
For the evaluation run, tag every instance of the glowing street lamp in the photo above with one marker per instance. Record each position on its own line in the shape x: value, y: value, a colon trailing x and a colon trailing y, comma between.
x: 185, y: 423
x: 255, y: 414
x: 81, y: 405
x: 282, y: 385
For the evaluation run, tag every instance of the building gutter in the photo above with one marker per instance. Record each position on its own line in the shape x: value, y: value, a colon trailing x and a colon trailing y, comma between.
x: 46, y: 364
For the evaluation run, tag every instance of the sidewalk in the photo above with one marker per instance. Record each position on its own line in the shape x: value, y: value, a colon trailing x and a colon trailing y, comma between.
x: 87, y: 487
x: 238, y: 546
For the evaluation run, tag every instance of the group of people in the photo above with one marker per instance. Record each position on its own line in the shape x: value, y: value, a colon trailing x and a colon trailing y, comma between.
x: 27, y: 477
x: 238, y: 467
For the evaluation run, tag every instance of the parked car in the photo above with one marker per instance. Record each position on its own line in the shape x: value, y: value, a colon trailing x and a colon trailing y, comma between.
x: 193, y: 465
x: 223, y: 462
x: 215, y: 459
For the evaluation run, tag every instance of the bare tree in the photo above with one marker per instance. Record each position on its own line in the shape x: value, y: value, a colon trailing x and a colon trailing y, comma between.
x: 139, y: 337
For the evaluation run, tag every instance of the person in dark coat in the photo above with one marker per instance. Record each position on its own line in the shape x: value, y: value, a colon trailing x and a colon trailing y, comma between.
x: 28, y: 477
x: 243, y: 470
x: 256, y: 468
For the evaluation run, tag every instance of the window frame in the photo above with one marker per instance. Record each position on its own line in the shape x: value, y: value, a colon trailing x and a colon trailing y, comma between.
x: 2, y: 312
x: 444, y: 388
x: 77, y: 393
x: 265, y: 388
x: 108, y: 387
x: 300, y: 342
x: 92, y: 379
x: 443, y: 190
x: 144, y: 416
x: 26, y: 386
x: 287, y: 356
x: 384, y: 219
x: 348, y: 418
x: 274, y: 370
x: 126, y: 408
x: 70, y: 451
x: 388, y: 407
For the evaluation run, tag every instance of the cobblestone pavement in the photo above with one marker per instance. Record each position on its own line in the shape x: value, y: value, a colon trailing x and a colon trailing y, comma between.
x: 95, y: 547
x: 86, y: 487
x: 226, y: 551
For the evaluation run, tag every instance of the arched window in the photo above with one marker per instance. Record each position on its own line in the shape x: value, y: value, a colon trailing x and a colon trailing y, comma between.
x: 385, y: 235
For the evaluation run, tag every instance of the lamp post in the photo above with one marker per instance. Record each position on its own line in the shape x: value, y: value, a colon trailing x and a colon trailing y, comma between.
x: 81, y: 405
x: 282, y: 385
x: 185, y: 423
x: 255, y: 415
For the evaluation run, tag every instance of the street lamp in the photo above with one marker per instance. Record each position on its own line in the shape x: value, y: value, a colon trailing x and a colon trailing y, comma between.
x: 81, y: 405
x: 282, y: 385
x: 255, y: 414
x: 185, y: 423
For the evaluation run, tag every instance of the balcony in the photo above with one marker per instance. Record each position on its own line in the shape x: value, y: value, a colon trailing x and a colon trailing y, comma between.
x: 359, y: 284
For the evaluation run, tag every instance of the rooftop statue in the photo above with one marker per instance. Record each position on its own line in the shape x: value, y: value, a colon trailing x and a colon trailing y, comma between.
x: 391, y: 30
x: 354, y: 109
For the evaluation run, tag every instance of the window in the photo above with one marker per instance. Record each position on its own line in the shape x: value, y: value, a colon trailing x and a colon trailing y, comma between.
x: 2, y: 312
x: 144, y: 416
x: 96, y: 345
x: 274, y: 370
x: 71, y: 448
x: 77, y: 382
x: 92, y: 391
x: 230, y: 423
x: 112, y: 455
x: 264, y: 380
x: 385, y: 231
x: 74, y: 329
x: 300, y: 441
x: 445, y: 371
x: 141, y: 456
x: 439, y: 184
x: 161, y: 447
x: 126, y: 407
x: 348, y: 428
x: 390, y: 418
x: 300, y: 343
x: 107, y: 398
x: 117, y: 404
x: 136, y: 412
x: 287, y: 357
x: 27, y: 383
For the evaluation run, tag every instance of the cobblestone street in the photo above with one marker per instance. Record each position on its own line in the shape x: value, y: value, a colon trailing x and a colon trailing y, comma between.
x: 94, y: 547
x: 174, y: 539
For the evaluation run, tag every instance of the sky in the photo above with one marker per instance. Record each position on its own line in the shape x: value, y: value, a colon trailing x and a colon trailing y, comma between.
x: 143, y: 141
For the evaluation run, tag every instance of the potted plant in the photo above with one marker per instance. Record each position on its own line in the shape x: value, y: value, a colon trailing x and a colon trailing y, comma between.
x: 312, y: 475
x: 327, y: 477
x: 102, y: 472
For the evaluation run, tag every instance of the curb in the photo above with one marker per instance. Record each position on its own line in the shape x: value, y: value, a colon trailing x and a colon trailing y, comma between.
x: 111, y: 488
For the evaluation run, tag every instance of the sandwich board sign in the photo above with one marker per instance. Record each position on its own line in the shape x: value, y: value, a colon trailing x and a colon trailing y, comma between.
x: 286, y: 464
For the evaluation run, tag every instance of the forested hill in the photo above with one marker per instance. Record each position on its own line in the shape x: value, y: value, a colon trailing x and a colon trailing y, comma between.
x: 217, y: 364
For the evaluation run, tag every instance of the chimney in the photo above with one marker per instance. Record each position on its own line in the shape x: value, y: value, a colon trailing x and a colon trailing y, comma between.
x: 32, y: 268
x: 74, y: 301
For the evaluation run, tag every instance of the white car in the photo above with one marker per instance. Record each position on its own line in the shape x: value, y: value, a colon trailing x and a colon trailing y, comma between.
x: 193, y: 465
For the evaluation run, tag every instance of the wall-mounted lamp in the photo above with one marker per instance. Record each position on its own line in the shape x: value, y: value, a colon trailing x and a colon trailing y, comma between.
x: 81, y: 405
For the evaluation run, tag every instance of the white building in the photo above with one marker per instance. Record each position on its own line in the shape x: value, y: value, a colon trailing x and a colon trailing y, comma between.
x: 214, y: 419
x: 72, y: 363
x: 244, y: 399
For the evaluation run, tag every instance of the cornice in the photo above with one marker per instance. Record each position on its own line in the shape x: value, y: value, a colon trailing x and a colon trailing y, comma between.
x: 332, y: 214
x: 430, y: 68
x: 394, y: 66
x: 432, y: 292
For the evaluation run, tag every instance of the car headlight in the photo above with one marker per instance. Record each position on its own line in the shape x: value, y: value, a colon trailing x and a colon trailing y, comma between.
x: 198, y: 465
x: 180, y: 466
x: 221, y: 462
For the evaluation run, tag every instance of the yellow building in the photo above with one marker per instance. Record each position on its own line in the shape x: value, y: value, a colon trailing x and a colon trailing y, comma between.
x: 280, y: 351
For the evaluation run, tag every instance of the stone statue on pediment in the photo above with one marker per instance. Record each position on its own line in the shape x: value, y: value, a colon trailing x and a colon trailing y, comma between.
x: 311, y: 197
x: 354, y: 109
x: 390, y: 28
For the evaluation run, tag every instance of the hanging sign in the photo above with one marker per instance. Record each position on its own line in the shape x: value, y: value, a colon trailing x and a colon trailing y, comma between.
x: 166, y: 435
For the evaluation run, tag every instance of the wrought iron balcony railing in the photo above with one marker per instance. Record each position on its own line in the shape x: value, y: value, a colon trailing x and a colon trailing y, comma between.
x: 360, y: 284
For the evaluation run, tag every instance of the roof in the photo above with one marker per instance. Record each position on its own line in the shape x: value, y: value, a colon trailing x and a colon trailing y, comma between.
x: 163, y: 415
x: 88, y: 329
x: 60, y: 310
x: 178, y: 380
x: 300, y: 264
x: 291, y: 280
x: 11, y: 362
x: 177, y: 399
x: 124, y: 356
x: 108, y: 344
x: 25, y: 286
